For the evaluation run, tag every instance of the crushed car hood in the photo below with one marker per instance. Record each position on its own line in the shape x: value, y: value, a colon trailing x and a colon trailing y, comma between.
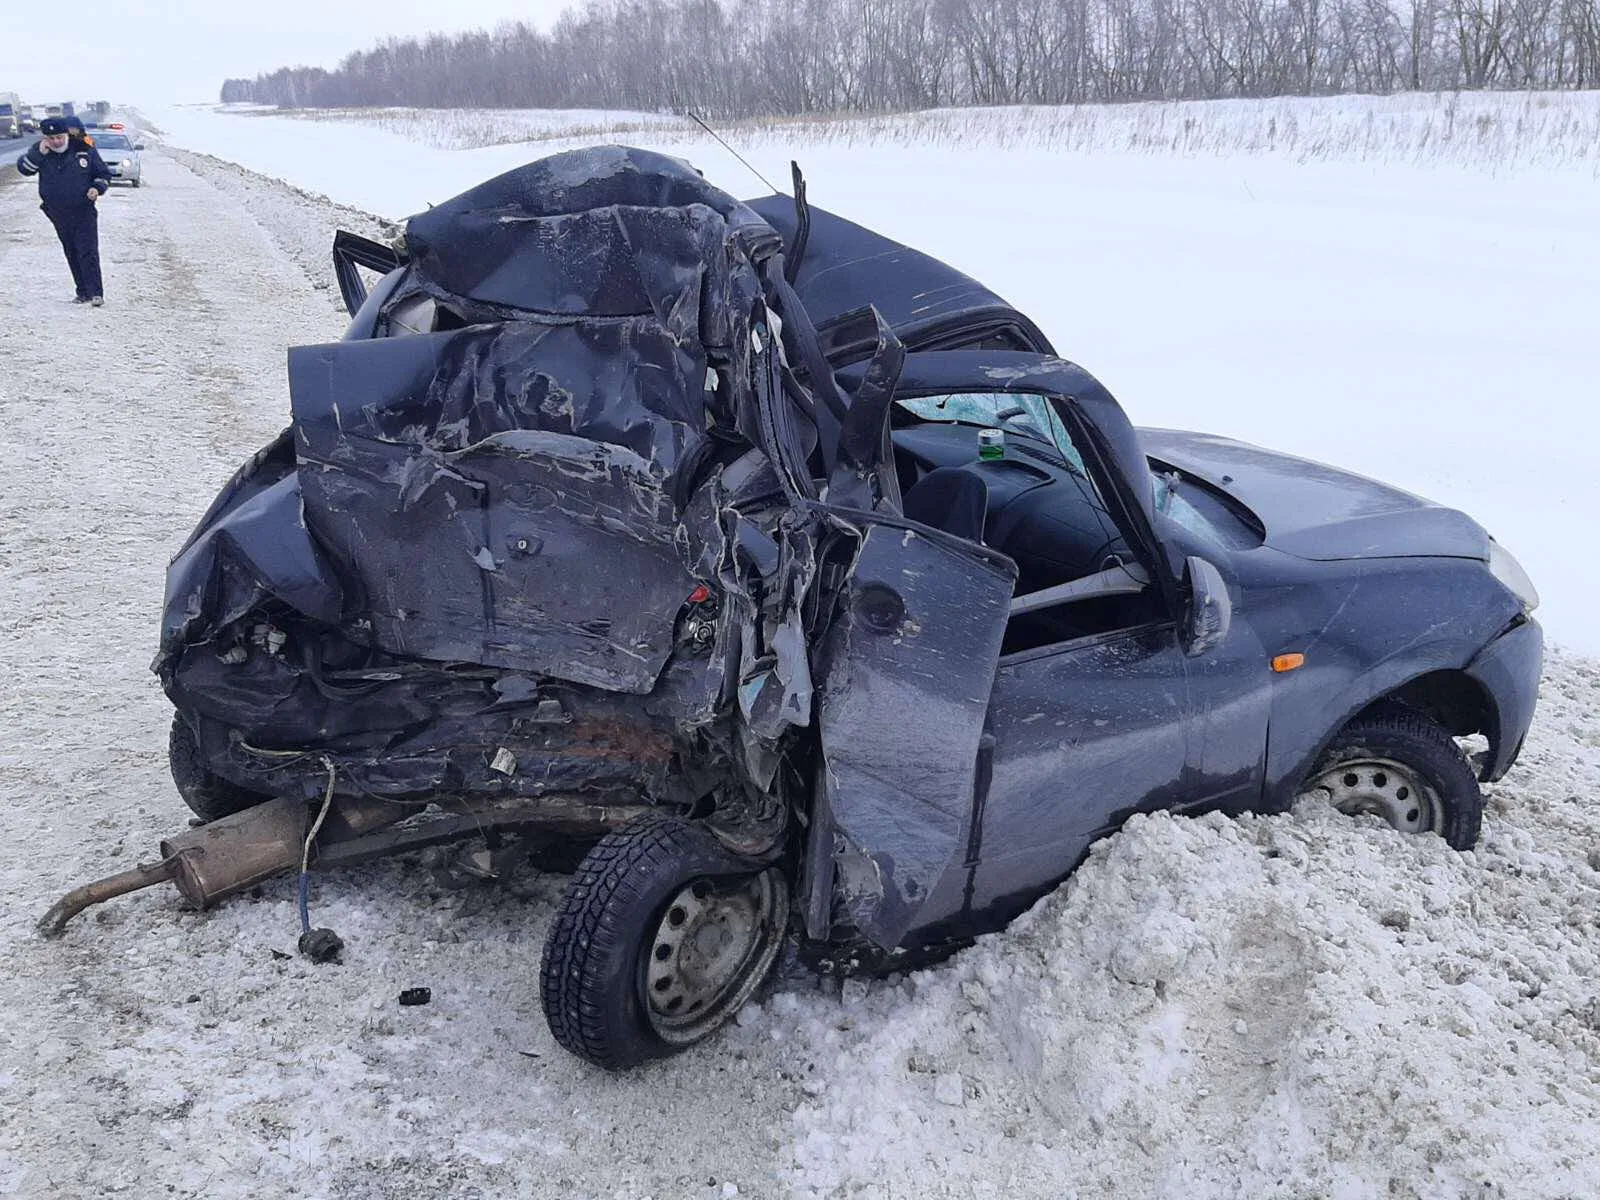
x: 1316, y: 511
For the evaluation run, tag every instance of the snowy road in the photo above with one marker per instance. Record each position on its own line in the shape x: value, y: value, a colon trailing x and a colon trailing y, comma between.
x: 1300, y: 1006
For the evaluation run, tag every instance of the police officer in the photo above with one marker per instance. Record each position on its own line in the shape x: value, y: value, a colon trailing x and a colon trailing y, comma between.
x: 72, y: 178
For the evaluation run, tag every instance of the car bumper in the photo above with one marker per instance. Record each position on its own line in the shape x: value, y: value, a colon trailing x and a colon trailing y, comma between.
x: 1508, y: 669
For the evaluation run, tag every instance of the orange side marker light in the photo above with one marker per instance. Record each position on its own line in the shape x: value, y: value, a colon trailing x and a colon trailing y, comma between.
x: 1288, y: 662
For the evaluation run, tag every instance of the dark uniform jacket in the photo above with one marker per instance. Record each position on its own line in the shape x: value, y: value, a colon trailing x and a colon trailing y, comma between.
x: 65, y: 178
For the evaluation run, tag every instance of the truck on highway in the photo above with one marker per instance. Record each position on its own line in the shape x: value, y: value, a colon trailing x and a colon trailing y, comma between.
x: 10, y: 115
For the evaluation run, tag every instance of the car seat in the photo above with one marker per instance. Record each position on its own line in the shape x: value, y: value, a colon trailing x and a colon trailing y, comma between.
x: 949, y: 498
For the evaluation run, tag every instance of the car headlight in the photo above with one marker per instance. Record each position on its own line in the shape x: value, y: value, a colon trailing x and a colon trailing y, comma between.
x: 1504, y: 567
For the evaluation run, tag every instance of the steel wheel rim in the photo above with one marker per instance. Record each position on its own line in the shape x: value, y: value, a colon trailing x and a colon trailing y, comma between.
x: 710, y: 951
x: 1382, y: 787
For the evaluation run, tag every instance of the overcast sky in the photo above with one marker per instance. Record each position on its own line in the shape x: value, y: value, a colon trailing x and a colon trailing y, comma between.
x: 155, y: 51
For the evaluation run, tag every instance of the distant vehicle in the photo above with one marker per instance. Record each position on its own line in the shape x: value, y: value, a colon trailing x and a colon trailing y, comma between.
x: 26, y: 121
x: 10, y: 115
x: 52, y: 110
x: 120, y: 154
x: 68, y: 109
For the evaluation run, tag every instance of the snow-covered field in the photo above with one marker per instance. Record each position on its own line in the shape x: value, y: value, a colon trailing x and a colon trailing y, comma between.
x: 1299, y: 1006
x: 465, y: 128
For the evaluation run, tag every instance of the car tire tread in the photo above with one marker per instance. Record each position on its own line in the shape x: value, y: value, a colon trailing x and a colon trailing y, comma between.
x: 209, y: 796
x: 588, y: 971
x: 1413, y: 738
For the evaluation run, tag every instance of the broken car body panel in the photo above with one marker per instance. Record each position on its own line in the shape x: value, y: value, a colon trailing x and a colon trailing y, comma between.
x: 910, y: 664
x: 471, y: 533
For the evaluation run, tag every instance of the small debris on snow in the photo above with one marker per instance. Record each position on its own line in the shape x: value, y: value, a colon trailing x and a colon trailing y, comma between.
x: 321, y: 945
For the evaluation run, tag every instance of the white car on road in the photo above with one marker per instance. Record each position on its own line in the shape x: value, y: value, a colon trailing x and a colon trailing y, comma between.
x: 120, y: 154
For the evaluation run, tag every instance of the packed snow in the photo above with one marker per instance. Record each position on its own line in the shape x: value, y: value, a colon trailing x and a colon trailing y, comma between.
x: 1293, y: 1006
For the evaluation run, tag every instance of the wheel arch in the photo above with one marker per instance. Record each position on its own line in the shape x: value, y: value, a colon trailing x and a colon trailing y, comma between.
x: 1449, y: 696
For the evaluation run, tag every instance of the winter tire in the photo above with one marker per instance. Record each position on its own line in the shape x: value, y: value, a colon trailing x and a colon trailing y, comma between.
x: 1399, y: 765
x: 662, y: 936
x: 209, y: 796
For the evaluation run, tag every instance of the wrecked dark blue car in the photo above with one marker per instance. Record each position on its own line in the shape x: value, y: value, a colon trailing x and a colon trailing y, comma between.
x: 784, y: 579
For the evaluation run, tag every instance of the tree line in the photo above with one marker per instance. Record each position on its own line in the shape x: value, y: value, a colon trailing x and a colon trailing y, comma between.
x: 750, y: 58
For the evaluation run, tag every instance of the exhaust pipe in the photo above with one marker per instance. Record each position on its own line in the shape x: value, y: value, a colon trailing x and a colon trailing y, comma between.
x: 237, y: 852
x: 229, y: 855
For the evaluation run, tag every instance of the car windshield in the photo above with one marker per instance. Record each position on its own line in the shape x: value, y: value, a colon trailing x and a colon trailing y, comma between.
x: 1018, y: 414
x: 111, y: 141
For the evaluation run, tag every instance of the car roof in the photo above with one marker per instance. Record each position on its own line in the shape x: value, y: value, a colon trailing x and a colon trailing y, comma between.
x: 846, y: 266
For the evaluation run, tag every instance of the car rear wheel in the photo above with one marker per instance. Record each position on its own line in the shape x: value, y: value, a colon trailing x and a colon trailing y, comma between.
x: 1399, y: 765
x: 209, y: 796
x: 661, y: 938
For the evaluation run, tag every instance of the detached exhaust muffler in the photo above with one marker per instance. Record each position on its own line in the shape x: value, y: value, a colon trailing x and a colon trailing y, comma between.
x: 229, y: 855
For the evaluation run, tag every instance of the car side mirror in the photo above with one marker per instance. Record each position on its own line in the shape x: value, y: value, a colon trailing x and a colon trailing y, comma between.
x: 138, y: 145
x: 1210, y: 611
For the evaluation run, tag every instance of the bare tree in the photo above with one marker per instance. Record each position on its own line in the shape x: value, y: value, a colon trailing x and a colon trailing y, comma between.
x: 732, y: 58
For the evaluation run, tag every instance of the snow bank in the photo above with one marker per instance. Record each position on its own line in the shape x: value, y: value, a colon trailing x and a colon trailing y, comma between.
x: 1281, y: 1007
